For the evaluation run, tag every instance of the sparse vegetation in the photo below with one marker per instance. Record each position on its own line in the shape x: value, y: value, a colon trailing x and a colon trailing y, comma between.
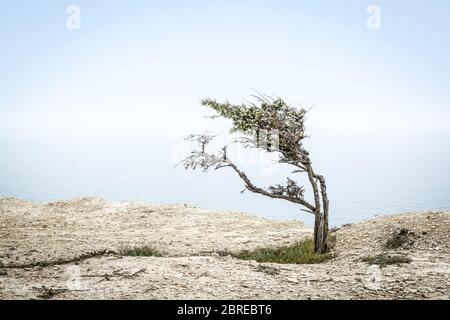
x: 384, y: 259
x: 331, y: 241
x: 267, y: 270
x: 61, y: 261
x: 400, y: 239
x: 141, y: 251
x: 48, y: 293
x: 297, y: 253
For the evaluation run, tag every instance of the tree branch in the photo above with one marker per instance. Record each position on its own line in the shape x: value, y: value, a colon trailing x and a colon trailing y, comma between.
x: 250, y: 186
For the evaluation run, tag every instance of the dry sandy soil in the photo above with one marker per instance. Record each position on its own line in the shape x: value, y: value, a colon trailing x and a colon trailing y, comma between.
x: 68, y: 250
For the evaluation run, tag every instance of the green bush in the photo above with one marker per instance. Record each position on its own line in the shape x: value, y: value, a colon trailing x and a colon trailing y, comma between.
x: 400, y: 238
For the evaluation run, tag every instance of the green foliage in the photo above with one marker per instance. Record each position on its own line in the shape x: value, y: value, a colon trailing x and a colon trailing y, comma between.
x: 268, y: 114
x: 291, y: 189
x: 142, y: 251
x: 383, y: 260
x: 297, y: 253
x: 400, y: 238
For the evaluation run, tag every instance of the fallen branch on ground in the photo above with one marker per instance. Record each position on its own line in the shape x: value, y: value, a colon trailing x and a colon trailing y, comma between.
x: 117, y: 274
x: 61, y: 261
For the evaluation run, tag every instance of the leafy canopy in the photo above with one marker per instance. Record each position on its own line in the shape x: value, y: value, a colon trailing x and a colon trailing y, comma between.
x: 266, y: 115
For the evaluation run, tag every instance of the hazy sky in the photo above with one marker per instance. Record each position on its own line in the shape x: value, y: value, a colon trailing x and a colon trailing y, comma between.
x: 140, y: 67
x: 102, y: 110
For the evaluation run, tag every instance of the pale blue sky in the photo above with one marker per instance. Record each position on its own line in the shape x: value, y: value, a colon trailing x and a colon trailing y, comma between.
x: 131, y: 79
x: 133, y: 59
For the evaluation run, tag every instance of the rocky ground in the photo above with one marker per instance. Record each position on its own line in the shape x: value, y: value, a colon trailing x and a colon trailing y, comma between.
x: 70, y: 250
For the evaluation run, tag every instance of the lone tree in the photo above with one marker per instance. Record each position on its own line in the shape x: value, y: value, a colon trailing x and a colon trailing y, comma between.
x: 254, y: 121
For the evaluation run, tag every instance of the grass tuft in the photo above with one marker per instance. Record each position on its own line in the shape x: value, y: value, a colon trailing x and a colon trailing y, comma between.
x: 297, y: 253
x: 383, y: 260
x: 142, y: 251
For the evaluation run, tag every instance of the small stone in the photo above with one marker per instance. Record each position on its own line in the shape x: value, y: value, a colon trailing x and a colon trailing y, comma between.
x: 293, y: 280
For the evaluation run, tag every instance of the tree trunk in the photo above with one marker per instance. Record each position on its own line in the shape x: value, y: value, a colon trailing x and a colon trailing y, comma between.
x: 321, y: 244
x: 320, y: 234
x: 321, y: 219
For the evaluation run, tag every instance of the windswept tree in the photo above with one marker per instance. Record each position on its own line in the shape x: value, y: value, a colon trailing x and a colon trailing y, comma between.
x: 272, y: 125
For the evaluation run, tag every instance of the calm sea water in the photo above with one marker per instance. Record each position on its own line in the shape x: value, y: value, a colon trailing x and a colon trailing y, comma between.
x: 367, y: 176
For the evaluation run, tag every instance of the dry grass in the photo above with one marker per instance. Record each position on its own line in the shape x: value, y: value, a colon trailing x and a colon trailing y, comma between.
x: 139, y: 251
x: 384, y: 260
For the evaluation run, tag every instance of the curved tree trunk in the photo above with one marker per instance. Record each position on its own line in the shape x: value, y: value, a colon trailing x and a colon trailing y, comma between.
x: 321, y: 217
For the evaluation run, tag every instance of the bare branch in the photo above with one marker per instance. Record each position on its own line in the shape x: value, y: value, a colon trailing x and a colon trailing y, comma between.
x: 250, y: 186
x: 201, y: 159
